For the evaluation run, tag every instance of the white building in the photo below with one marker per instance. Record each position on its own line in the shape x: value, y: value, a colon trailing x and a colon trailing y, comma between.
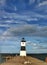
x: 23, y: 47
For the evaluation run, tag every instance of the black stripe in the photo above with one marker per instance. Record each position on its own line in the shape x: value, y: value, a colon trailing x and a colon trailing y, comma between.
x: 23, y: 48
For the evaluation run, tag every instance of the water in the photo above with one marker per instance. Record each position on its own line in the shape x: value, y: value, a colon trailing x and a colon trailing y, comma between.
x: 1, y: 59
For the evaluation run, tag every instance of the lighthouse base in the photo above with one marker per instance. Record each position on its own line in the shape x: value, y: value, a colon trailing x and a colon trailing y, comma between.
x: 22, y: 53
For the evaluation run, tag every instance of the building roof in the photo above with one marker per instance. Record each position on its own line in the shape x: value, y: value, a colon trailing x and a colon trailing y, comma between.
x: 23, y: 40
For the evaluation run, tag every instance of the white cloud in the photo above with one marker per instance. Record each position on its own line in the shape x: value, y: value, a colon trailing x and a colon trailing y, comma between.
x: 19, y: 18
x: 31, y: 1
x: 25, y: 16
x: 9, y: 21
x: 46, y: 11
x: 38, y: 1
x: 3, y: 25
x: 42, y: 3
x: 32, y: 19
x: 37, y: 45
x: 1, y: 31
x: 26, y: 30
x: 18, y: 22
x: 2, y: 2
x: 15, y: 8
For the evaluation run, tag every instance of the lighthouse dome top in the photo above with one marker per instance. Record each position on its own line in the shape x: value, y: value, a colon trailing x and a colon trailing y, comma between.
x: 23, y: 40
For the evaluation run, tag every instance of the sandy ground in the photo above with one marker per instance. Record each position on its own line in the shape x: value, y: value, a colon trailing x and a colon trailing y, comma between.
x: 17, y: 60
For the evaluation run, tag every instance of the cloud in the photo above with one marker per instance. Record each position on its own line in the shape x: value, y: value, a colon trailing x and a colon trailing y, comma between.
x: 17, y: 18
x: 42, y: 3
x: 32, y: 19
x: 31, y: 1
x: 11, y: 22
x: 37, y: 45
x: 26, y: 30
x: 2, y: 2
x: 16, y: 21
x: 41, y: 7
x: 3, y: 25
x: 23, y: 16
x: 15, y: 8
x: 21, y: 30
x: 1, y: 32
x: 14, y: 17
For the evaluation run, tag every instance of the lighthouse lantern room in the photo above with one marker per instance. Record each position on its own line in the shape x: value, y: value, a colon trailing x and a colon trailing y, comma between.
x: 23, y: 47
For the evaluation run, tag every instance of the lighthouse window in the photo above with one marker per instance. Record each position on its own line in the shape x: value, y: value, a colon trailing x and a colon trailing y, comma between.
x: 22, y: 48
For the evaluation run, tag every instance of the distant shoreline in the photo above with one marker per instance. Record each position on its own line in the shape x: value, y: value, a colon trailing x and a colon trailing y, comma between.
x: 27, y: 53
x: 40, y: 56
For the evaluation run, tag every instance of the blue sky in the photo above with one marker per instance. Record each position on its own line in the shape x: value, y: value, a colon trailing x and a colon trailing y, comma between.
x: 23, y: 18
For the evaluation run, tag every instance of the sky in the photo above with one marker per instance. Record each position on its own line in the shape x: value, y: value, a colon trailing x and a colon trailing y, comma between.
x: 23, y: 18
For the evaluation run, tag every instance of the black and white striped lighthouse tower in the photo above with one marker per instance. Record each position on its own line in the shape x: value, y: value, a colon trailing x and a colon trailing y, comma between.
x: 23, y: 47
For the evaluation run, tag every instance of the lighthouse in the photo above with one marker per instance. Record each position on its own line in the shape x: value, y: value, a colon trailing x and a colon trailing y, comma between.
x: 23, y: 47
